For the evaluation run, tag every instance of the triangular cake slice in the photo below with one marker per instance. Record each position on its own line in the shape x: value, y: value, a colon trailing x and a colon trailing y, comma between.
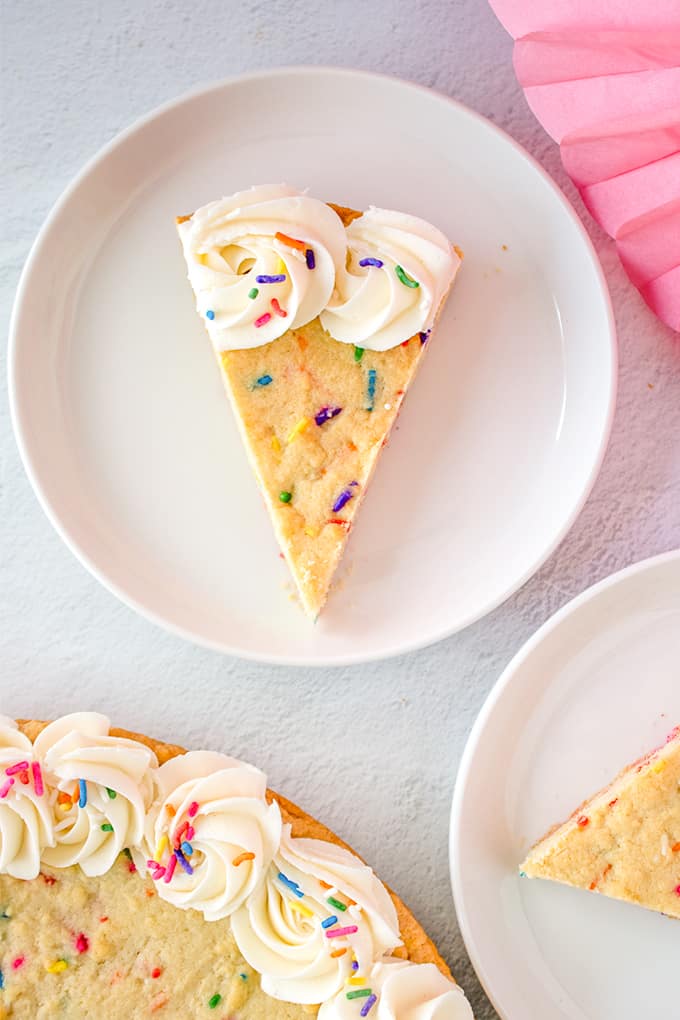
x: 314, y: 412
x: 625, y: 841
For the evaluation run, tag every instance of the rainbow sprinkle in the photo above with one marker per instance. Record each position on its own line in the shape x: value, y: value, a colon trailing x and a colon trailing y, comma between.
x: 292, y: 242
x: 214, y: 1000
x: 342, y: 500
x: 378, y: 263
x: 21, y: 766
x: 263, y: 320
x: 252, y: 293
x: 359, y: 993
x: 325, y: 414
x: 111, y: 793
x: 297, y: 429
x: 264, y: 278
x: 424, y: 337
x: 372, y: 378
x: 183, y: 861
x: 57, y: 967
x: 193, y: 809
x: 338, y: 933
x: 170, y: 870
x: 329, y: 922
x: 278, y: 310
x: 368, y: 1006
x: 404, y: 278
x: 107, y: 827
x: 82, y: 797
x: 242, y: 858
x: 186, y: 848
x: 336, y: 903
x: 358, y: 353
x: 293, y: 886
x: 285, y: 497
x: 309, y: 259
x: 264, y: 380
x: 6, y: 787
x: 210, y: 314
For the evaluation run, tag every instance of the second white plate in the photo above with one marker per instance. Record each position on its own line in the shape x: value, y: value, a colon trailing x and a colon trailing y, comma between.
x: 595, y: 688
x: 130, y: 444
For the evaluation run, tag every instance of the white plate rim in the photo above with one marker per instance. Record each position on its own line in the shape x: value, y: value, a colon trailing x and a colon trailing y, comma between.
x: 476, y: 734
x: 147, y: 612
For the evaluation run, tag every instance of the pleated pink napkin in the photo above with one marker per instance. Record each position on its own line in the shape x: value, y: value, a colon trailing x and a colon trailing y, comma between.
x: 603, y: 78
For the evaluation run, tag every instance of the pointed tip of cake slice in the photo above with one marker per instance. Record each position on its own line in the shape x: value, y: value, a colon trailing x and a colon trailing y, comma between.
x: 623, y: 842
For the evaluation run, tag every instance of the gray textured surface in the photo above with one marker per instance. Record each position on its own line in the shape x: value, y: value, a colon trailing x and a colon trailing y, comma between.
x: 74, y: 74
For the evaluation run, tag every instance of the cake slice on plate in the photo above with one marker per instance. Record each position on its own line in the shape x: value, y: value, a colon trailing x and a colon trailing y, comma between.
x: 625, y: 841
x: 320, y: 317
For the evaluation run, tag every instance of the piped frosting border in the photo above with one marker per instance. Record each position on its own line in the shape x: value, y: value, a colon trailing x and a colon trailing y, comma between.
x: 309, y: 916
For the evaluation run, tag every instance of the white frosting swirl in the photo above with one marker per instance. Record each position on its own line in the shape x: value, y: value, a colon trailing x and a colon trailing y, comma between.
x: 281, y: 933
x: 228, y: 244
x: 25, y: 817
x: 100, y: 789
x: 404, y: 991
x: 215, y: 806
x: 381, y: 306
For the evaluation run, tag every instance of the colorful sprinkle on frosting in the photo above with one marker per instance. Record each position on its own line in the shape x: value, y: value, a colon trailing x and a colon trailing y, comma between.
x: 210, y: 314
x: 265, y: 278
x: 404, y: 278
x: 291, y: 242
x: 378, y: 263
x: 309, y: 259
x: 263, y: 320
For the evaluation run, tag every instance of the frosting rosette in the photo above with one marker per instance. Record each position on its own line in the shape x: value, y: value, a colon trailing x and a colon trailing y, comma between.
x: 99, y: 790
x: 25, y: 817
x: 210, y: 835
x: 400, y: 990
x: 399, y: 268
x: 319, y: 910
x: 261, y: 262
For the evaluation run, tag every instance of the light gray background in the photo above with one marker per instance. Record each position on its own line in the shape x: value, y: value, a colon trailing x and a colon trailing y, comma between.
x: 372, y: 750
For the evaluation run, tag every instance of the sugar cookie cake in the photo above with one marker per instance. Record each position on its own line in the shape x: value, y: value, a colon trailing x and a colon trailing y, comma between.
x: 140, y: 880
x: 625, y: 841
x: 319, y: 316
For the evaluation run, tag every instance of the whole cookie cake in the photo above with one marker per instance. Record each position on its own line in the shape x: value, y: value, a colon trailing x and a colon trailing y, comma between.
x: 137, y: 879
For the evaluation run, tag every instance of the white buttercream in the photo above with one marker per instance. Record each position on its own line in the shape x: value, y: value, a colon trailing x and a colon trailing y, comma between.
x: 404, y: 991
x: 229, y: 243
x: 281, y: 934
x: 117, y: 777
x: 372, y: 306
x: 223, y: 801
x: 25, y: 817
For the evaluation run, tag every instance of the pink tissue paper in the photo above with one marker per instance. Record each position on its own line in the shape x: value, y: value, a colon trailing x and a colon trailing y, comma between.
x: 603, y: 78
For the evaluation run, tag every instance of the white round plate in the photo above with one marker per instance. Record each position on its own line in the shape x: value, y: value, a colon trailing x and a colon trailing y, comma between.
x: 595, y: 688
x: 127, y: 436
